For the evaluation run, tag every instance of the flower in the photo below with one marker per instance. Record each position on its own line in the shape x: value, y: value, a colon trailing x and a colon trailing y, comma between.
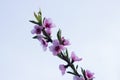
x: 62, y: 68
x: 56, y: 48
x: 47, y: 24
x: 37, y: 29
x: 78, y: 78
x: 74, y: 57
x: 65, y: 42
x: 43, y: 42
x: 89, y: 75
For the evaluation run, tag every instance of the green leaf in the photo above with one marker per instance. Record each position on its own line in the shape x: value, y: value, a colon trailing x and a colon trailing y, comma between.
x: 66, y: 53
x: 36, y: 16
x: 83, y: 72
x: 59, y: 36
x: 35, y: 37
x: 34, y: 22
x: 40, y: 19
x: 77, y: 67
x: 40, y: 13
x: 60, y: 56
x: 71, y: 73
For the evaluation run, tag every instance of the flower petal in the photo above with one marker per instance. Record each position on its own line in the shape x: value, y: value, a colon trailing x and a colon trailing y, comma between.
x: 62, y: 68
x: 74, y: 57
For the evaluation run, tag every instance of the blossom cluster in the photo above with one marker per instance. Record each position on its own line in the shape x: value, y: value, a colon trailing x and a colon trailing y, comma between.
x: 43, y: 33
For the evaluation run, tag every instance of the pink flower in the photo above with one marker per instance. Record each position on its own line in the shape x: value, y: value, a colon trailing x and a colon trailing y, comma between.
x: 56, y: 48
x: 89, y: 75
x: 78, y: 78
x: 47, y: 23
x: 62, y: 68
x: 65, y: 42
x: 74, y: 57
x: 43, y: 42
x: 37, y: 29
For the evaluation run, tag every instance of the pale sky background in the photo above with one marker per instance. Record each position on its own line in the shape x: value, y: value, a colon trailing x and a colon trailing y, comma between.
x: 92, y: 26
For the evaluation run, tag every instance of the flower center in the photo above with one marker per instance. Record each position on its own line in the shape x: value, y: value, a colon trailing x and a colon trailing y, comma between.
x: 57, y: 48
x: 89, y: 75
x: 38, y: 30
x: 47, y: 25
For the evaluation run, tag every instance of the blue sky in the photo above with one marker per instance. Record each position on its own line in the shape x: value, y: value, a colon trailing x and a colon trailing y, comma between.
x: 92, y: 26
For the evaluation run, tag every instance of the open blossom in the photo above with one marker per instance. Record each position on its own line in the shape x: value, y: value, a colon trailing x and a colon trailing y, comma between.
x: 62, y: 68
x: 56, y: 48
x: 74, y: 57
x: 89, y: 75
x: 78, y: 78
x: 37, y: 29
x: 47, y: 24
x: 43, y: 42
x: 65, y: 42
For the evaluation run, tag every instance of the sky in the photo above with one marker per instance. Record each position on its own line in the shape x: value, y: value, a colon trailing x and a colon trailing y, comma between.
x: 92, y: 26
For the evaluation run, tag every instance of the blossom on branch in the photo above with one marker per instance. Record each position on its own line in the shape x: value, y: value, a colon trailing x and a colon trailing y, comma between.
x: 74, y: 57
x: 89, y: 75
x: 65, y: 42
x: 48, y: 24
x: 62, y: 68
x: 42, y: 31
x: 43, y: 42
x: 37, y: 29
x: 56, y: 48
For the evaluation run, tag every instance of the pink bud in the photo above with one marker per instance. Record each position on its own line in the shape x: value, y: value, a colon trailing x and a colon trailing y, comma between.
x: 74, y: 57
x: 89, y: 75
x: 62, y: 68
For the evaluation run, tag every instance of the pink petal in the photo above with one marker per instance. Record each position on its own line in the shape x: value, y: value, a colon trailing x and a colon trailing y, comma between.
x: 74, y: 57
x: 62, y: 68
x: 89, y: 75
x: 48, y: 23
x: 65, y: 42
x: 78, y: 78
x: 33, y: 31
